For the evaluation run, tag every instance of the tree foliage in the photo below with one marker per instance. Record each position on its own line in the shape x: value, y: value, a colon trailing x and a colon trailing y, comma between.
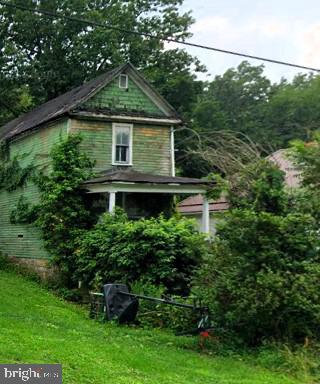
x: 52, y: 55
x: 306, y: 157
x: 260, y: 187
x: 233, y: 101
x: 245, y: 103
x: 262, y: 278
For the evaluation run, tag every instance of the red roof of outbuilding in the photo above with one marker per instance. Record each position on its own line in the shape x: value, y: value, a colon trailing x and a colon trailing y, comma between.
x: 193, y: 204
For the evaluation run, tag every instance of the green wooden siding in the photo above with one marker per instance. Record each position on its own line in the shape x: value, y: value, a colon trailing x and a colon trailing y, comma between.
x: 25, y: 240
x: 119, y: 99
x: 150, y: 151
x: 151, y: 154
x: 97, y: 141
x: 35, y: 147
x: 16, y: 239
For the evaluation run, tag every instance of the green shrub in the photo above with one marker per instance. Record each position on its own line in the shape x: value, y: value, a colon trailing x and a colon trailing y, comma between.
x: 262, y: 278
x: 306, y: 157
x: 258, y: 186
x: 158, y: 315
x: 157, y: 250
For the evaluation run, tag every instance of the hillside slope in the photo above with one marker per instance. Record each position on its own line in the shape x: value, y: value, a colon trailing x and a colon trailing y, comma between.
x: 37, y: 327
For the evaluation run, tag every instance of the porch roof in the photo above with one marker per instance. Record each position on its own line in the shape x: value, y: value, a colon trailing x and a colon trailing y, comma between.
x: 129, y: 180
x: 139, y: 177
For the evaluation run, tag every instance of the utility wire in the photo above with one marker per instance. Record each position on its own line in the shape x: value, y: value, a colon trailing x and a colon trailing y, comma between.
x: 156, y: 37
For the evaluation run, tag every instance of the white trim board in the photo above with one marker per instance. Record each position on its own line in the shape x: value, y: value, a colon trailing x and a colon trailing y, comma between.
x: 120, y: 118
x: 121, y: 125
x: 144, y: 188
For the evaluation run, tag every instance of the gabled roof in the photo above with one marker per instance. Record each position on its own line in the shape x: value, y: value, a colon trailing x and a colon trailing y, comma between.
x: 66, y: 103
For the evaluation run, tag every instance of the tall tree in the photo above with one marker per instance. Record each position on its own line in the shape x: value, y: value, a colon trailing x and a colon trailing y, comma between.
x: 293, y: 112
x: 52, y: 55
x: 244, y: 102
x: 233, y: 101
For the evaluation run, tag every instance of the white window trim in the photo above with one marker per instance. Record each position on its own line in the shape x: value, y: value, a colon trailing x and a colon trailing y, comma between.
x: 126, y: 77
x: 121, y: 125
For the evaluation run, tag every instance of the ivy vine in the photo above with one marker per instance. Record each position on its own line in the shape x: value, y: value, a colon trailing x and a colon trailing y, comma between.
x: 12, y: 175
x: 24, y: 212
x: 61, y: 211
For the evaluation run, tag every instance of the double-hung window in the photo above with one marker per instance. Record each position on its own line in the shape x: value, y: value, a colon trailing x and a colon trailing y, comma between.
x: 122, y: 144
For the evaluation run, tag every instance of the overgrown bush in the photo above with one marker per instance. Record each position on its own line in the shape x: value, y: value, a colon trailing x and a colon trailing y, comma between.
x: 262, y: 278
x: 61, y: 211
x: 306, y: 157
x: 258, y: 186
x: 157, y: 250
x: 157, y: 315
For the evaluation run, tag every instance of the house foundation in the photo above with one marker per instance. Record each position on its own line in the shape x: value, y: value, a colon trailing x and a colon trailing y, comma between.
x: 41, y: 267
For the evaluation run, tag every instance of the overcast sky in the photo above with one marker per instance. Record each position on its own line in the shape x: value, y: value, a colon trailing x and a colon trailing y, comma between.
x: 280, y: 29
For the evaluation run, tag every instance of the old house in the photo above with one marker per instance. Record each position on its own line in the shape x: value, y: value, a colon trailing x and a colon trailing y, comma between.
x: 127, y: 128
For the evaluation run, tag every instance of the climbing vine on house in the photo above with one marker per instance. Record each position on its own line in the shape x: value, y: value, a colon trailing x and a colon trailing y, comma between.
x: 61, y: 211
x: 12, y: 175
x: 24, y: 212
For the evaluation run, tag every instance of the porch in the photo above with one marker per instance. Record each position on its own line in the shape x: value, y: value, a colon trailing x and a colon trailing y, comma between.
x: 141, y: 194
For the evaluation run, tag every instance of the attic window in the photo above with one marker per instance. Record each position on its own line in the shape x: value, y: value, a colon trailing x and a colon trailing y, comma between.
x: 123, y: 81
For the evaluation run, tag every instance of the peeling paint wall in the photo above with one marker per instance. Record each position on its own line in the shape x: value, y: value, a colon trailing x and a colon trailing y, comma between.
x: 132, y: 99
x: 150, y: 148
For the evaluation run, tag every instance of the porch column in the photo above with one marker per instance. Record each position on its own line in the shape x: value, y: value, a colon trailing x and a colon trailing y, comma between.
x: 205, y: 216
x: 173, y: 165
x: 112, y: 201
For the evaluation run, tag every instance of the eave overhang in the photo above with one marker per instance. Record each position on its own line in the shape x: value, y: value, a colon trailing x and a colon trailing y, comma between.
x: 144, y: 188
x: 132, y: 181
x: 84, y: 115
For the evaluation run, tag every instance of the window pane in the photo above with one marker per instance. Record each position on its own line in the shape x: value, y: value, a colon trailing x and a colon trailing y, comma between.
x: 118, y: 138
x: 125, y: 138
x: 123, y: 81
x: 122, y: 136
x: 122, y: 154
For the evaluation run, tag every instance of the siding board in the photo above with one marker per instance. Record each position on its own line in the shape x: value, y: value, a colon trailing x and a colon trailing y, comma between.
x: 25, y: 240
x: 118, y: 99
x: 150, y: 152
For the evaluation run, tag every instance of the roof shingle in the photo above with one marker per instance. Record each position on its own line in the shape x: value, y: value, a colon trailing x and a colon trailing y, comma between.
x: 56, y: 107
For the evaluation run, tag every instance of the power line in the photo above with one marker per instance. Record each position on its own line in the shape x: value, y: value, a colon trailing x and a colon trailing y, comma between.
x: 157, y: 37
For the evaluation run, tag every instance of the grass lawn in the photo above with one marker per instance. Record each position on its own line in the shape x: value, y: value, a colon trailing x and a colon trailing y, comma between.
x: 37, y: 327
